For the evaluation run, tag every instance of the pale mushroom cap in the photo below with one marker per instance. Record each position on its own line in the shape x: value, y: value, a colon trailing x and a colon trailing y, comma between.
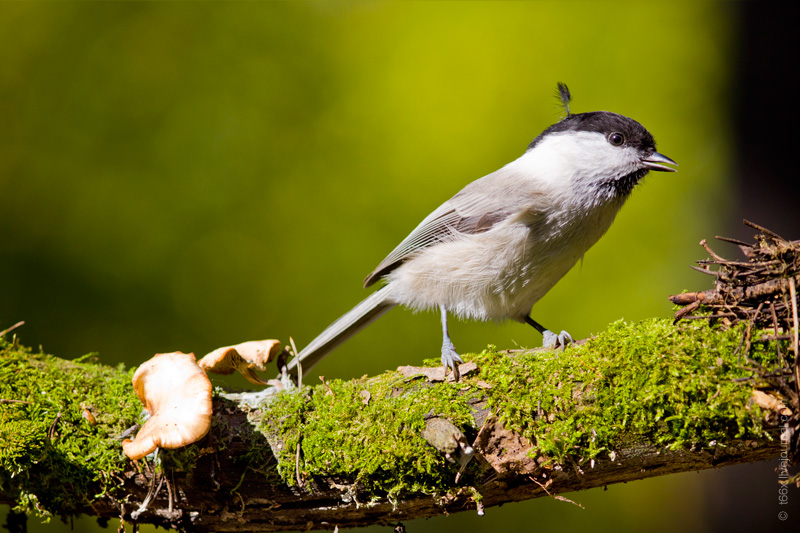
x: 246, y: 357
x: 177, y: 394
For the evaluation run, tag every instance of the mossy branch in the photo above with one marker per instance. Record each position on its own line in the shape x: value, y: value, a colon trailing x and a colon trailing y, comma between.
x: 636, y: 401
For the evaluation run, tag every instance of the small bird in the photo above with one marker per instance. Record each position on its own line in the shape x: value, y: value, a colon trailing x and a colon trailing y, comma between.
x: 495, y: 248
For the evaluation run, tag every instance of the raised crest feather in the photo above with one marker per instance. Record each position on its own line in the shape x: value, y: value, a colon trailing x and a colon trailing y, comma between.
x: 564, y: 97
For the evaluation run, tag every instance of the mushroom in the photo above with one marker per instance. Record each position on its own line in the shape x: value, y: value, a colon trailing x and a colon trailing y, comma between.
x: 177, y: 394
x: 246, y: 357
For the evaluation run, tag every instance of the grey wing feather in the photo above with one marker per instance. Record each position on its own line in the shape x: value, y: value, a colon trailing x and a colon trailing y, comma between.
x: 434, y: 228
x: 467, y: 213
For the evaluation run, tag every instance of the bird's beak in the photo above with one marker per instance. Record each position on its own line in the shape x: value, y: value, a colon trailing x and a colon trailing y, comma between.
x: 654, y: 160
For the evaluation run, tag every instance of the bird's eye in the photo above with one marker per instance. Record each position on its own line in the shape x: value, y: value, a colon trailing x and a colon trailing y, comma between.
x: 617, y: 139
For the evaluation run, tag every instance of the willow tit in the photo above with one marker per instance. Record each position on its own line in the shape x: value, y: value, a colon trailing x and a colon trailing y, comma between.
x: 495, y: 248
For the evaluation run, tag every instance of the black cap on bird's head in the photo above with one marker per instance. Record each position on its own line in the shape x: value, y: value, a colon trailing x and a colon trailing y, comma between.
x: 619, y: 130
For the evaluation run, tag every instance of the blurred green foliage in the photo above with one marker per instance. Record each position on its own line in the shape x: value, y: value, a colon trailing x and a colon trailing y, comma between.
x: 182, y: 176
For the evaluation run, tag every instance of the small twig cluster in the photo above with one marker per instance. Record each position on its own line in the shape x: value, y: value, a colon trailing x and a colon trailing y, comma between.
x: 762, y: 292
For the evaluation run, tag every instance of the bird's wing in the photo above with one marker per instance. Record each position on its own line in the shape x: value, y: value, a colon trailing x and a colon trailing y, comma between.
x: 467, y: 213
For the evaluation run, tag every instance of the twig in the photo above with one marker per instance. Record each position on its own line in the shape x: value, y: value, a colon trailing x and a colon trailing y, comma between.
x: 705, y: 245
x: 12, y: 328
x: 554, y: 496
x: 170, y: 506
x: 793, y: 295
x: 151, y: 492
x: 775, y: 328
x: 51, y: 433
x: 762, y: 229
x: 733, y: 241
x: 297, y: 467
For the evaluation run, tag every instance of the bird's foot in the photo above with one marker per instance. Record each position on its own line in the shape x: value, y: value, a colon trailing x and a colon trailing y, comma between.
x: 552, y: 341
x: 451, y: 359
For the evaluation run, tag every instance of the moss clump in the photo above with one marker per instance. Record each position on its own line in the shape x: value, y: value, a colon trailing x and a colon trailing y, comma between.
x: 368, y: 432
x: 650, y: 381
x: 53, y: 458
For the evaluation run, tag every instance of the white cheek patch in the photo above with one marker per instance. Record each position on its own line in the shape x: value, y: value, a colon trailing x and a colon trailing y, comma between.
x: 564, y: 159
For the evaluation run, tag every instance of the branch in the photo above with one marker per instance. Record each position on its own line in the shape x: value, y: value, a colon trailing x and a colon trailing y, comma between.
x: 636, y: 401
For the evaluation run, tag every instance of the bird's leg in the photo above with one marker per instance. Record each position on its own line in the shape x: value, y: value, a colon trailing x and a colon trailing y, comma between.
x: 450, y: 358
x: 550, y: 339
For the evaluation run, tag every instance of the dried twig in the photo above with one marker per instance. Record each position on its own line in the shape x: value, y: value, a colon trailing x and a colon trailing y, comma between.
x: 762, y: 293
x: 12, y: 328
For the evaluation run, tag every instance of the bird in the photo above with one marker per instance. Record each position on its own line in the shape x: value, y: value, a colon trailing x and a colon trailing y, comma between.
x: 502, y: 242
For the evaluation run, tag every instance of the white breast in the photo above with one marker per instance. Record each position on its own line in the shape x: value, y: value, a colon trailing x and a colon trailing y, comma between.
x: 499, y: 274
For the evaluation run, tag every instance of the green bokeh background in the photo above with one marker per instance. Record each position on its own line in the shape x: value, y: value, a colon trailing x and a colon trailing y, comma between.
x: 180, y: 176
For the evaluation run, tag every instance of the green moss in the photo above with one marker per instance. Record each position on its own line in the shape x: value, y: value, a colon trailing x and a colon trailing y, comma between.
x: 647, y: 382
x: 652, y: 381
x: 52, y: 458
x: 343, y: 434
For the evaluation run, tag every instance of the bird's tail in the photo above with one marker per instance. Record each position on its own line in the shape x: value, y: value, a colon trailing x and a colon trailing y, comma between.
x: 359, y: 317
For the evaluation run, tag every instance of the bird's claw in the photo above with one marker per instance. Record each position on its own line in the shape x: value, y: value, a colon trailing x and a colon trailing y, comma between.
x: 451, y: 359
x: 552, y: 341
